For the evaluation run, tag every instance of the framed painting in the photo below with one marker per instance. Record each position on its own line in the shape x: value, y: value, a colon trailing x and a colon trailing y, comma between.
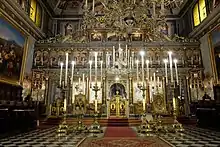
x: 12, y: 52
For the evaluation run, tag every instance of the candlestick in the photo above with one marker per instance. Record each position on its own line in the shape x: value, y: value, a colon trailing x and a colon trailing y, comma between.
x: 142, y: 65
x: 147, y: 62
x: 66, y: 73
x: 158, y: 81
x: 96, y: 66
x: 61, y: 73
x: 72, y: 72
x: 137, y: 62
x: 64, y: 109
x: 79, y: 81
x: 175, y: 64
x: 171, y: 65
x: 126, y: 53
x: 165, y: 64
x: 144, y: 105
x: 113, y: 55
x: 90, y: 71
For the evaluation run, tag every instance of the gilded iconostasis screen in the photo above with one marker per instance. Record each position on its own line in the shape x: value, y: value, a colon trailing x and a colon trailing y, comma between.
x: 12, y: 44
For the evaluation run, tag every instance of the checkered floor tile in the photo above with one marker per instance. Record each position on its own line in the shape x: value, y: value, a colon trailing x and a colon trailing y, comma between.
x: 41, y: 138
x: 194, y: 137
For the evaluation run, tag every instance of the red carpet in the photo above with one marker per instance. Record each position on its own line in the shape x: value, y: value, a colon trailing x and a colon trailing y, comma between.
x: 119, y: 132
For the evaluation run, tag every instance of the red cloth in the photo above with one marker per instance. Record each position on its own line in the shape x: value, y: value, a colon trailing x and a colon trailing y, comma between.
x: 119, y: 132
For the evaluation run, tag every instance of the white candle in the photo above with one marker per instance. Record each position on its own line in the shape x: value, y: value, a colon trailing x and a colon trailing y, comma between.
x: 130, y: 62
x: 171, y: 65
x: 86, y: 3
x: 142, y: 65
x: 126, y: 53
x: 144, y: 106
x: 134, y: 1
x: 83, y: 86
x: 61, y: 73
x: 64, y: 109
x: 147, y: 62
x: 96, y: 66
x: 162, y: 6
x: 79, y: 81
x: 90, y: 71
x: 175, y: 64
x: 101, y: 62
x: 158, y: 81
x: 154, y: 9
x: 96, y: 105
x: 137, y: 62
x: 66, y: 73
x: 93, y: 6
x: 154, y: 79
x: 165, y: 64
x: 128, y: 58
x: 72, y: 71
x: 113, y: 55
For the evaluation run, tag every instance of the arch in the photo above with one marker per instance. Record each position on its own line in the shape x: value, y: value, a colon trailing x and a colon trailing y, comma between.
x: 117, y: 87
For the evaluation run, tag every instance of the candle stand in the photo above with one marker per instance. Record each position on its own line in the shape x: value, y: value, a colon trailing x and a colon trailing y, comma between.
x: 177, y: 127
x: 80, y: 126
x: 95, y: 127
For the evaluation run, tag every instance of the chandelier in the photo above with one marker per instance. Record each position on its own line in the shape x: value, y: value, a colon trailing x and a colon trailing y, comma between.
x: 123, y: 16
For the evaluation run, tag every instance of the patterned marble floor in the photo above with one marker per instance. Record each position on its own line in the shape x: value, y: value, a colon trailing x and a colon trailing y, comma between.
x: 192, y: 137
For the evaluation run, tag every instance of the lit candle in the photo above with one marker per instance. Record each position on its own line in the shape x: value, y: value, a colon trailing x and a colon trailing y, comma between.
x: 165, y: 64
x: 61, y: 73
x: 66, y: 73
x: 72, y: 72
x: 93, y: 6
x: 137, y: 62
x: 171, y: 65
x: 96, y: 66
x: 90, y: 71
x: 142, y: 65
x: 174, y: 103
x: 175, y: 64
x: 147, y: 62
x: 113, y: 55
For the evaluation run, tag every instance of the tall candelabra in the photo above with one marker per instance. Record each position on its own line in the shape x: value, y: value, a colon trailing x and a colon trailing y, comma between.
x: 95, y: 127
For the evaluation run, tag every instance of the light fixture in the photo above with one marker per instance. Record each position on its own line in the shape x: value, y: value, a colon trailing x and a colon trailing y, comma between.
x: 142, y: 53
x: 170, y: 52
x: 175, y: 61
x: 165, y: 61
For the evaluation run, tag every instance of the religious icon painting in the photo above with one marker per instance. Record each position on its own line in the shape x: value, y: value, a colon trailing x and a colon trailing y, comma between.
x: 12, y: 51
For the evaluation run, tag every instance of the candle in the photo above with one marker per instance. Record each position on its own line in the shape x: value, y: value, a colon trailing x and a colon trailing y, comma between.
x: 83, y: 86
x: 154, y: 9
x: 165, y: 64
x: 174, y: 103
x: 64, y: 109
x: 90, y: 71
x: 147, y: 62
x: 134, y: 1
x: 66, y: 73
x: 113, y: 55
x: 158, y: 81
x: 96, y: 105
x: 86, y: 3
x: 126, y: 53
x: 130, y: 62
x: 101, y: 62
x: 96, y: 65
x: 93, y: 6
x: 72, y: 72
x: 171, y: 65
x: 175, y: 64
x: 162, y: 7
x: 142, y: 65
x: 154, y: 79
x: 106, y: 60
x: 144, y: 106
x: 128, y: 57
x: 79, y: 81
x: 61, y: 73
x: 137, y: 62
x: 42, y: 60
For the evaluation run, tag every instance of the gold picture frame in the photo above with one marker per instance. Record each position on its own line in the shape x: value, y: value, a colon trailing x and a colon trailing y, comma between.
x: 5, y: 17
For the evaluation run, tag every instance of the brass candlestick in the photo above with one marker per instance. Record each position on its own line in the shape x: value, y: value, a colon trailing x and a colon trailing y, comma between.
x: 95, y: 127
x: 143, y: 89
